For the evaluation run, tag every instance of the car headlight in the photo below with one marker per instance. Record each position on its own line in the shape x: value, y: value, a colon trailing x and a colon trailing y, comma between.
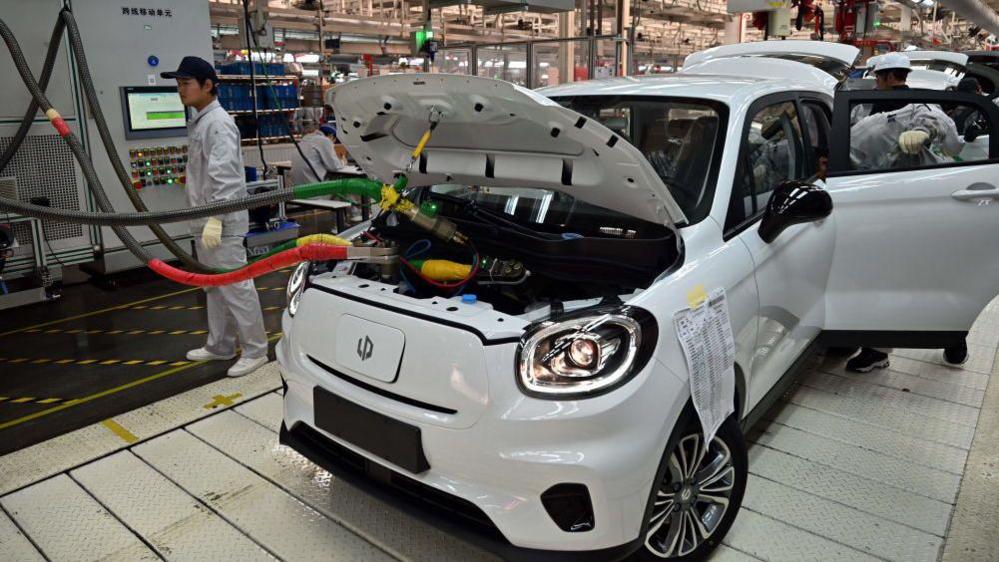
x: 586, y: 353
x: 296, y: 286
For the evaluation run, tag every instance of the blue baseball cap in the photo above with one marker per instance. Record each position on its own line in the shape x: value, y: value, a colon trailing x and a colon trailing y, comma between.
x: 193, y: 67
x: 328, y: 129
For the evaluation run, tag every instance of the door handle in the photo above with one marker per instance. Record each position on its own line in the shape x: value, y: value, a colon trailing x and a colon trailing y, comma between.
x: 977, y: 191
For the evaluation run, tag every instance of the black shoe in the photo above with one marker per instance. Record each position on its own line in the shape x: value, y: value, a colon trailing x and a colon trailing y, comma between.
x: 867, y: 360
x: 957, y: 355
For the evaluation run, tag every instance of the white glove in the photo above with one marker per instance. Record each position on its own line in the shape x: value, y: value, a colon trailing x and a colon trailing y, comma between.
x: 211, y: 236
x: 911, y: 142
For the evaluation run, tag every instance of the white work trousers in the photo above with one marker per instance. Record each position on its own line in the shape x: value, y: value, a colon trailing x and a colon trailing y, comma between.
x: 233, y: 309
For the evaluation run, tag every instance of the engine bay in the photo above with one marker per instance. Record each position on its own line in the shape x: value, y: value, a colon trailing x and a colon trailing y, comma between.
x: 518, y: 249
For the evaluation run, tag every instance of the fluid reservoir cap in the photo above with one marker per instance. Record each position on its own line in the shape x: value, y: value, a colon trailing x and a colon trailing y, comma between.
x: 153, y: 60
x: 469, y: 298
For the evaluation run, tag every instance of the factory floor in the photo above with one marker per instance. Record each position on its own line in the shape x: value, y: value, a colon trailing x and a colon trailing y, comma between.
x: 94, y: 353
x: 898, y: 464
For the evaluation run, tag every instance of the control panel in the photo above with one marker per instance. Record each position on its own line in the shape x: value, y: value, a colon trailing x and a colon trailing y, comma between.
x: 158, y: 165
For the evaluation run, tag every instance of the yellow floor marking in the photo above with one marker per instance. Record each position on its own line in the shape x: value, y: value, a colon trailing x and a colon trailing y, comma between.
x: 136, y: 332
x: 64, y: 361
x: 114, y: 332
x: 154, y: 363
x: 133, y: 362
x: 116, y: 428
x: 101, y: 311
x: 179, y: 363
x: 111, y: 362
x: 104, y: 393
x: 77, y: 331
x: 157, y: 332
x: 140, y: 307
x: 222, y: 400
x: 2, y: 398
x: 86, y: 362
x: 40, y: 361
x: 199, y: 332
x: 22, y: 400
x: 18, y: 360
x: 178, y: 332
x: 49, y: 400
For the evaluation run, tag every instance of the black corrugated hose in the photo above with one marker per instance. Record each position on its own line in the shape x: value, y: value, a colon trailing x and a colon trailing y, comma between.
x: 74, y: 144
x: 89, y: 91
x: 108, y: 216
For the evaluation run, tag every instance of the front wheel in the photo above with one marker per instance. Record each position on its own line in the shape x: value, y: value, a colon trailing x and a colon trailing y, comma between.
x: 697, y: 494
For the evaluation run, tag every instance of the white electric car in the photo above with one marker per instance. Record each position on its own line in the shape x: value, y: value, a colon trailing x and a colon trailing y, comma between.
x: 545, y: 404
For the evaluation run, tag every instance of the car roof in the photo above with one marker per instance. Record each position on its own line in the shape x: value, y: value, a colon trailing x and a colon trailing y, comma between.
x: 730, y: 90
x: 960, y: 59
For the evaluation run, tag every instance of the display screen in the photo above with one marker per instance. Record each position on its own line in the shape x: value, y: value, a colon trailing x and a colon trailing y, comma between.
x: 153, y: 110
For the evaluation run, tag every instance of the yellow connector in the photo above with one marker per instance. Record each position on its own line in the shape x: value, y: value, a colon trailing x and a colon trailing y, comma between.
x: 445, y: 270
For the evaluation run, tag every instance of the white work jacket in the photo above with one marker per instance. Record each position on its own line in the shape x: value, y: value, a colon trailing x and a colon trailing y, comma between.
x: 215, y: 167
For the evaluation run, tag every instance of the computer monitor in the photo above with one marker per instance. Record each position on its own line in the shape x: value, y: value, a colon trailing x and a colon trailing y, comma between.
x: 152, y: 112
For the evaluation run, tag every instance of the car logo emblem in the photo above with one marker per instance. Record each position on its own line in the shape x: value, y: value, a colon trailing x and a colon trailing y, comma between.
x: 685, y: 495
x: 365, y: 347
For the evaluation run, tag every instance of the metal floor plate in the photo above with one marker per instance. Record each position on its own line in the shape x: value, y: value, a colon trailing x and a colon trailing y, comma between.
x: 846, y: 467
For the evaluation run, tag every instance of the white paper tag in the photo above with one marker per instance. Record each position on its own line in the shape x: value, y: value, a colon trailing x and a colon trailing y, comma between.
x: 705, y: 334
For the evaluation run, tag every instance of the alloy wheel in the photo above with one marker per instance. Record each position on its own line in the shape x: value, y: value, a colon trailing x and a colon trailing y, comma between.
x: 692, y: 499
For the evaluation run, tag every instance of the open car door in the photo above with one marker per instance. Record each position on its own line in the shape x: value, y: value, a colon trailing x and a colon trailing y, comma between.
x: 915, y: 258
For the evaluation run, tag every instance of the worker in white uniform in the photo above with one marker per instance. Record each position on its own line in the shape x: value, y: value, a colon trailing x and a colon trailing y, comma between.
x: 320, y: 157
x: 898, y: 134
x: 215, y: 173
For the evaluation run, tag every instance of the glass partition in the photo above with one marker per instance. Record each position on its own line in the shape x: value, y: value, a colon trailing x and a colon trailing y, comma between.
x: 558, y: 62
x: 505, y: 62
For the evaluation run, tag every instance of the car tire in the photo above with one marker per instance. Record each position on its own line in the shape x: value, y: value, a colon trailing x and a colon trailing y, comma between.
x: 682, y: 509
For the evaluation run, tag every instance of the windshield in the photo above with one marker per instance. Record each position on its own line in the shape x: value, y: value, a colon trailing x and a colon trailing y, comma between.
x: 681, y: 138
x: 546, y: 210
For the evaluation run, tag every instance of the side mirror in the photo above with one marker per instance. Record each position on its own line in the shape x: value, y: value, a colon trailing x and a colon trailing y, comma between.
x: 793, y: 202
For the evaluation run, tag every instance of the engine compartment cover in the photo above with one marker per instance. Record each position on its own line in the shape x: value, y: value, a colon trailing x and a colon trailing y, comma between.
x: 498, y: 134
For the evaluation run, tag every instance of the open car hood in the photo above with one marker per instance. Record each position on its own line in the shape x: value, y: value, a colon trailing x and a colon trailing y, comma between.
x: 959, y: 59
x: 838, y: 53
x: 493, y: 133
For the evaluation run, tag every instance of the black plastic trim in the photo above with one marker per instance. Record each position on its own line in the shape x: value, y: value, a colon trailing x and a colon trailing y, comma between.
x: 570, y: 507
x: 380, y: 391
x: 485, y: 341
x: 890, y: 338
x: 451, y: 514
x: 387, y: 438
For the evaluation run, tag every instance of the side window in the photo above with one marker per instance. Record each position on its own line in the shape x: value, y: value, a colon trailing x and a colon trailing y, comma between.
x: 815, y: 118
x: 900, y: 135
x: 772, y: 152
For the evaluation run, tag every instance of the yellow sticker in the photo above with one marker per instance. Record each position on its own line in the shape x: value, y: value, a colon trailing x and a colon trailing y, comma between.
x: 696, y: 296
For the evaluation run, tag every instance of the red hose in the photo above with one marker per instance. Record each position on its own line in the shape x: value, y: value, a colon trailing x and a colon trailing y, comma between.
x: 309, y: 252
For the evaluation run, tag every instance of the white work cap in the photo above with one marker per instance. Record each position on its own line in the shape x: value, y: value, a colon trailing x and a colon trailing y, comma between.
x: 889, y: 61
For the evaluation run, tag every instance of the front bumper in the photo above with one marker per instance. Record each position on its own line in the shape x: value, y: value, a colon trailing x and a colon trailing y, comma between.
x: 489, y: 477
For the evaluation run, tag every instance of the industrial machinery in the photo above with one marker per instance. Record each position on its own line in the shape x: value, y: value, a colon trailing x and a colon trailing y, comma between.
x: 127, y: 45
